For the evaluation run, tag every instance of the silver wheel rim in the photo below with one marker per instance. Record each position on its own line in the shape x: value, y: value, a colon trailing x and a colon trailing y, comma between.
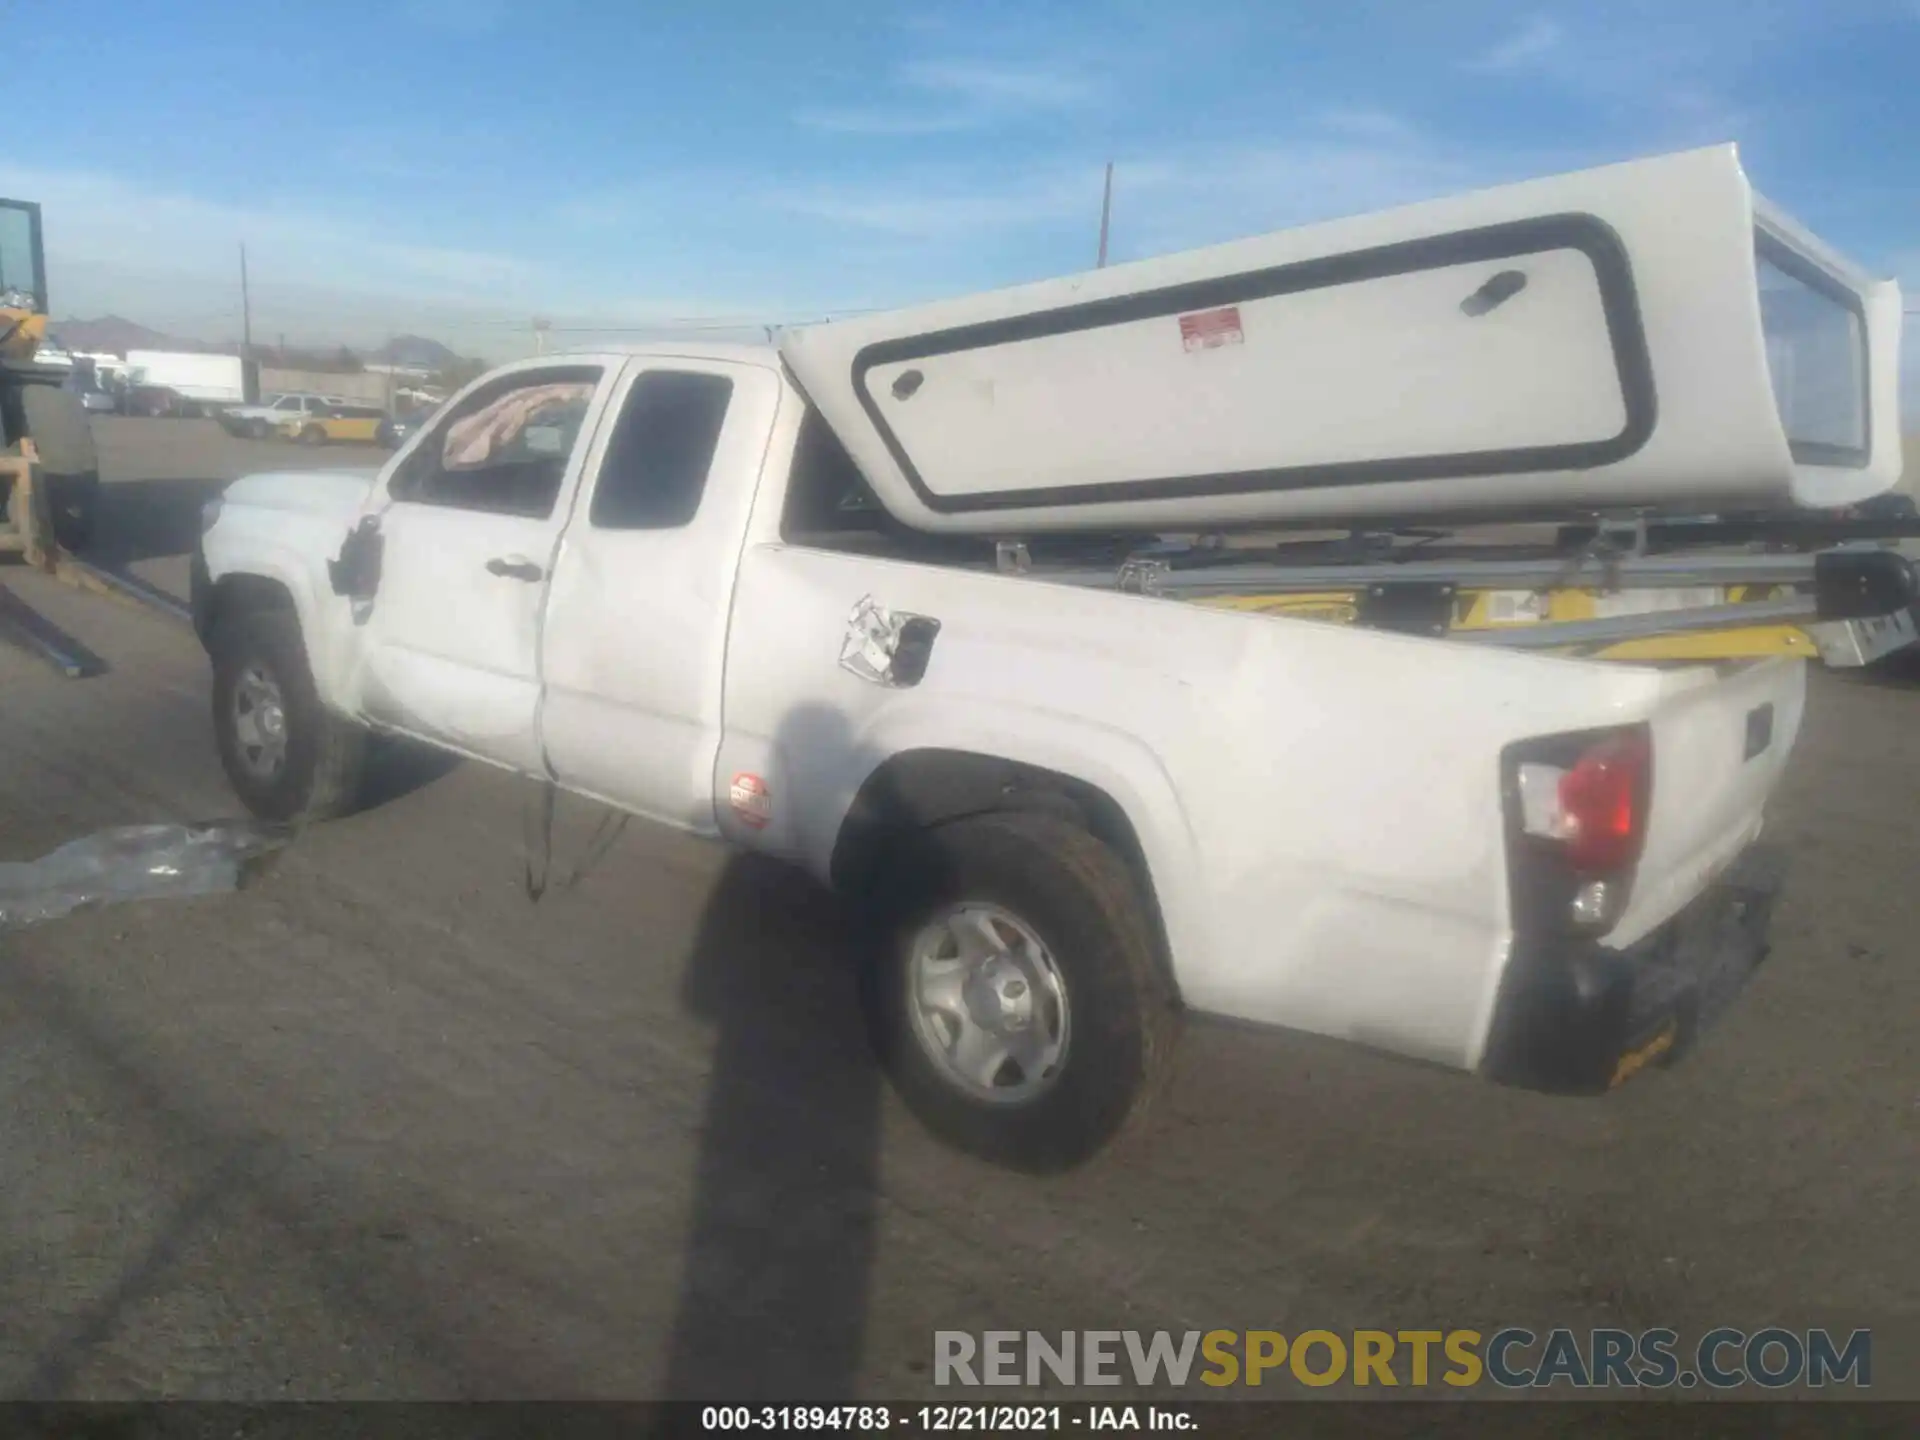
x: 259, y: 723
x: 988, y: 1004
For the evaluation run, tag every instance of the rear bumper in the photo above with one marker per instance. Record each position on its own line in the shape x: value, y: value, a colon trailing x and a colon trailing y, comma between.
x: 1575, y: 1017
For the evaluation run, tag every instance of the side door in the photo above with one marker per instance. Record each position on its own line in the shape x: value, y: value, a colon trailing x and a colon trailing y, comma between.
x: 469, y: 525
x: 634, y: 646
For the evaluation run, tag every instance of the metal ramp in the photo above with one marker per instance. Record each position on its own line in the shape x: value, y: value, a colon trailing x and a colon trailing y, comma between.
x: 29, y: 533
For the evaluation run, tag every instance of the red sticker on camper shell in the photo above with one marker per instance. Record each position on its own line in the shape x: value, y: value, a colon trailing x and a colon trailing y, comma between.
x: 750, y: 801
x: 1208, y: 329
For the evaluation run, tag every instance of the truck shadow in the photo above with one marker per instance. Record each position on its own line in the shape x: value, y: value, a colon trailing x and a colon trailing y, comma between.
x: 1899, y: 671
x: 397, y: 767
x: 774, y: 1298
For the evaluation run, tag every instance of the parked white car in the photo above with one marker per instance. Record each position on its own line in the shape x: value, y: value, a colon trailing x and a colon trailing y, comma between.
x: 265, y: 419
x: 659, y: 578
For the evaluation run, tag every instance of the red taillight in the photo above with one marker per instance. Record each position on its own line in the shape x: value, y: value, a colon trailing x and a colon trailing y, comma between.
x: 1602, y: 799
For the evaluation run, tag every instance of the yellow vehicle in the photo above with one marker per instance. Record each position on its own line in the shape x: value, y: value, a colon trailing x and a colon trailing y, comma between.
x: 351, y: 423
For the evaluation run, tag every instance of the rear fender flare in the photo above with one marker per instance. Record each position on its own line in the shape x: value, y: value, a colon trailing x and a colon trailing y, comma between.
x: 974, y: 748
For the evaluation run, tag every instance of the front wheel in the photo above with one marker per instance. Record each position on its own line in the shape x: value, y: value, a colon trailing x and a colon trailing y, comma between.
x: 286, y: 755
x: 258, y: 429
x: 313, y: 435
x: 1015, y: 999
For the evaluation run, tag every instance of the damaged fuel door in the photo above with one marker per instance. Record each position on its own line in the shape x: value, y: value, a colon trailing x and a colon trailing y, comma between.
x: 887, y: 647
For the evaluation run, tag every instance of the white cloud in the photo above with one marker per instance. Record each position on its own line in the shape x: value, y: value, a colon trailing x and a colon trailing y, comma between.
x: 1536, y: 39
x: 1650, y: 68
x: 1205, y: 197
x: 95, y: 219
x: 943, y: 96
x: 888, y: 122
x: 172, y: 261
x: 1368, y: 124
x: 1169, y: 197
x: 949, y: 211
x: 1009, y: 87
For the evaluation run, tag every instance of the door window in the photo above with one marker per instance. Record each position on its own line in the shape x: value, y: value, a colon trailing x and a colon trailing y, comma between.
x: 505, y: 449
x: 23, y: 282
x: 656, y: 464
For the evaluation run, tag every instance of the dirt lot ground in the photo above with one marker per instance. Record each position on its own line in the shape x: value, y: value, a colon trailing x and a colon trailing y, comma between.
x: 379, y: 1127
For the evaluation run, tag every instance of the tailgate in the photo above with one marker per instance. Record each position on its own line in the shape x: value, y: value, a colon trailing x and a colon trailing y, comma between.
x: 1720, y: 743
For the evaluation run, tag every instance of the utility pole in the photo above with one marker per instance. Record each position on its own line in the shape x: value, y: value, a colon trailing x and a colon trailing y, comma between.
x: 246, y: 308
x: 1106, y: 215
x: 540, y: 335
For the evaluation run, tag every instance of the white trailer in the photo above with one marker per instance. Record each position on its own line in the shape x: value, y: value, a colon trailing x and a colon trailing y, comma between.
x: 210, y: 379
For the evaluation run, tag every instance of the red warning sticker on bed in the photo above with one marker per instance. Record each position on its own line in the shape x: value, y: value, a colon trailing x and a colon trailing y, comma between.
x: 1209, y: 329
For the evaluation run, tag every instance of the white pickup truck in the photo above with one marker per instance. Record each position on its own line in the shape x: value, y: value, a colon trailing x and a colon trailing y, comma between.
x: 686, y: 581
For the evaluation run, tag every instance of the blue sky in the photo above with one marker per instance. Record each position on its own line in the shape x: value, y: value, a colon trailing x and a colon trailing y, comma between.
x: 458, y: 166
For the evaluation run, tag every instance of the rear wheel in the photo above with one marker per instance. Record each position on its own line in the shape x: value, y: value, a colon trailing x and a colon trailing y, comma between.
x: 286, y: 755
x: 1015, y: 999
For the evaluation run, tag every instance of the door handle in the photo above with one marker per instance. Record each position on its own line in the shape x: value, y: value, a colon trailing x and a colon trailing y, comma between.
x: 514, y: 567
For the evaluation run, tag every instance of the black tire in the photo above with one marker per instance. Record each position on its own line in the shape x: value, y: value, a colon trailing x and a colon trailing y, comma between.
x: 257, y: 429
x: 1080, y: 900
x: 325, y: 756
x: 313, y: 435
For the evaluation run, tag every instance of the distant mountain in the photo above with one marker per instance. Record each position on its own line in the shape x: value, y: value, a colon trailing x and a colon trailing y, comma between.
x: 416, y: 350
x: 115, y: 335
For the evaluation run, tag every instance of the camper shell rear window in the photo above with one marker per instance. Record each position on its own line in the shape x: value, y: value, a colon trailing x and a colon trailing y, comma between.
x: 1816, y: 338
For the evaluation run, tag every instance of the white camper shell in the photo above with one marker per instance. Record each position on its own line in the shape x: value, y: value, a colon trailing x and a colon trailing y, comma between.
x: 1650, y: 336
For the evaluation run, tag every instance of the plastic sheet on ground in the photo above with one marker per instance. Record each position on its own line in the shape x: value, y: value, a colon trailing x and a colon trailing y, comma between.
x: 135, y: 862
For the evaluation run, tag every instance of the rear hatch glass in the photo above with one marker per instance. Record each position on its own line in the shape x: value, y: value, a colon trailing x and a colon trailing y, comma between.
x: 1816, y: 335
